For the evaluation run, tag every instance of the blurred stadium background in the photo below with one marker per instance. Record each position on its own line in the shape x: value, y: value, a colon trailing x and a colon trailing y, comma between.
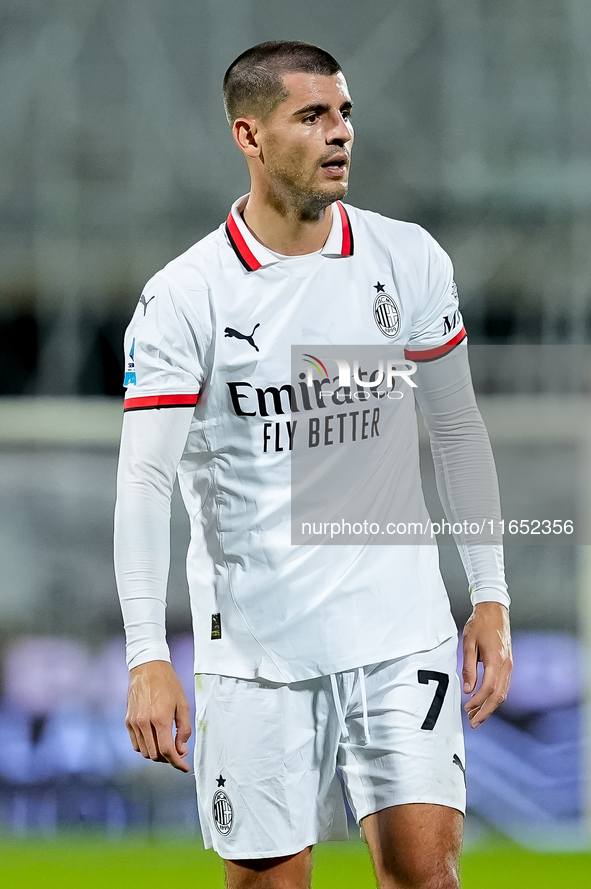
x: 473, y: 119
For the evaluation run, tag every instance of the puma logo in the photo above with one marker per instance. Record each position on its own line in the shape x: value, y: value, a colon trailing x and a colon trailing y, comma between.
x: 457, y: 761
x: 229, y: 331
x: 144, y: 303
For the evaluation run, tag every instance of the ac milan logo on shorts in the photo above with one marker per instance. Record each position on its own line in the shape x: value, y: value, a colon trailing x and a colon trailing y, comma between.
x: 223, y: 814
x: 386, y: 314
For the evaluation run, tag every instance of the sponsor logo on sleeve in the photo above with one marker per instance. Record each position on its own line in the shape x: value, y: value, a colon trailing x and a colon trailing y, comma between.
x: 146, y: 304
x: 450, y: 322
x: 130, y: 377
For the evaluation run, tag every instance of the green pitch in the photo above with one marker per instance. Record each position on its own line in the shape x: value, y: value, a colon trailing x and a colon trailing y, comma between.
x: 69, y: 863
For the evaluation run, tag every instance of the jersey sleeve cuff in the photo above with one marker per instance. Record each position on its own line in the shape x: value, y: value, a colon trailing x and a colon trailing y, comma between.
x: 154, y: 653
x: 147, y: 402
x: 490, y: 595
x: 429, y: 353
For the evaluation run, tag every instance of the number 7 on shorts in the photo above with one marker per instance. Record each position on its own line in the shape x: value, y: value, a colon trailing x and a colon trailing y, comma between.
x: 442, y: 680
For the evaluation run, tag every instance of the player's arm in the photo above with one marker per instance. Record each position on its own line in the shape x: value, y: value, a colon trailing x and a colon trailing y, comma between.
x: 152, y: 444
x: 165, y: 371
x: 468, y: 489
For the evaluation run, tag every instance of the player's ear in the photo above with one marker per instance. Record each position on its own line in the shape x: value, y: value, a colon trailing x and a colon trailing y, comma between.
x: 245, y: 134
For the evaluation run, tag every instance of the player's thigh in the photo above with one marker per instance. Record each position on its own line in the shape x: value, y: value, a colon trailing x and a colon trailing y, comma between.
x: 289, y: 872
x: 415, y: 846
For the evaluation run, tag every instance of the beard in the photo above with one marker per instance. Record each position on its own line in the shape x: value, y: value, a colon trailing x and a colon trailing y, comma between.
x: 292, y: 191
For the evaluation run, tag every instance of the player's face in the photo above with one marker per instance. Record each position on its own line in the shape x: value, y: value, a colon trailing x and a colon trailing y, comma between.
x: 306, y: 143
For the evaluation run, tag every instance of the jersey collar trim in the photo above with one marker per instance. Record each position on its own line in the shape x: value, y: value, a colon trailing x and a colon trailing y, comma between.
x: 253, y: 255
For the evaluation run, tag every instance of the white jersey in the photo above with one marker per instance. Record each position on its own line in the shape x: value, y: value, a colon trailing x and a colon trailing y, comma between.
x: 214, y: 330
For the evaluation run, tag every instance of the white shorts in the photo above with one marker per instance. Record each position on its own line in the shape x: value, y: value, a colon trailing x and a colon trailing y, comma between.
x: 266, y: 755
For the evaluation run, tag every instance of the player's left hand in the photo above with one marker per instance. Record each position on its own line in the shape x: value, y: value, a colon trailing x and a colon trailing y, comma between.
x: 487, y: 638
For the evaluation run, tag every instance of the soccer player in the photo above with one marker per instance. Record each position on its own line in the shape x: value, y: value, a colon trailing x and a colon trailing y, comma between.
x: 308, y: 657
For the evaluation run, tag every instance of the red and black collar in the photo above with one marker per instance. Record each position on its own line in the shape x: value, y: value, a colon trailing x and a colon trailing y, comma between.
x: 254, y: 255
x: 239, y: 245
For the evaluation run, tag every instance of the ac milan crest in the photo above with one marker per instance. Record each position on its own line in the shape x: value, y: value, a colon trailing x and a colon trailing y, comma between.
x: 223, y: 814
x: 386, y: 314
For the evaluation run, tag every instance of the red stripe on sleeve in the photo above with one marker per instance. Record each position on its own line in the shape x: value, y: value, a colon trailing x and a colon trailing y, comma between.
x: 429, y: 354
x: 151, y: 401
x: 241, y: 248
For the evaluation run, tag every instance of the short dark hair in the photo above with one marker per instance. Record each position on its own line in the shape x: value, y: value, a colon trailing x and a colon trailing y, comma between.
x: 253, y: 84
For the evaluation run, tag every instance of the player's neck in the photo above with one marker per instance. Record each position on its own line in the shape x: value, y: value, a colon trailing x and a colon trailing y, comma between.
x: 284, y: 230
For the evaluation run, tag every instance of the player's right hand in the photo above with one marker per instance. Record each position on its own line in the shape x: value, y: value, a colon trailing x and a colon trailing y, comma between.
x: 155, y: 702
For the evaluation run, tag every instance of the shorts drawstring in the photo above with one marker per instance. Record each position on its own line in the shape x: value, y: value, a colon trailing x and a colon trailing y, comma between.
x: 364, y: 705
x: 339, y: 708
